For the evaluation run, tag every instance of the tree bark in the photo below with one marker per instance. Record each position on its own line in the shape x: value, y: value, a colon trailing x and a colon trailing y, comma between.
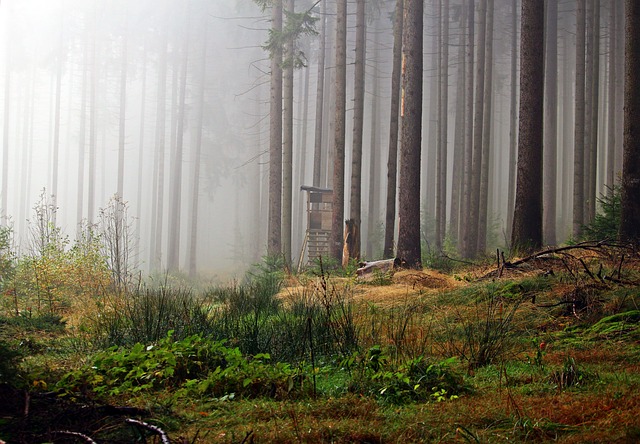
x: 287, y: 145
x: 550, y: 124
x: 527, y: 220
x: 409, y: 206
x: 392, y: 162
x: 274, y: 238
x: 630, y: 220
x: 317, y: 148
x: 339, y: 131
x: 443, y: 120
x: 578, y: 155
x: 355, y: 201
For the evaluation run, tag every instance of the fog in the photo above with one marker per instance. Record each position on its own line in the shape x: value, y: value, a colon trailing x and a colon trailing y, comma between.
x: 165, y: 101
x: 83, y: 50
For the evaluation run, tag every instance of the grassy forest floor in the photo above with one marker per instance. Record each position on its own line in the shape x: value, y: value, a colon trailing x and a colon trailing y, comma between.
x: 542, y: 349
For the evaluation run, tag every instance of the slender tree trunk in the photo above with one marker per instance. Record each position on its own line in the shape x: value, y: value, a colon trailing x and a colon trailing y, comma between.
x: 93, y: 132
x: 550, y: 124
x: 443, y: 123
x: 487, y: 122
x: 56, y: 125
x: 82, y: 139
x: 175, y: 198
x: 122, y: 120
x: 474, y: 217
x: 578, y: 156
x: 374, y: 159
x: 317, y: 148
x: 457, y: 188
x: 158, y: 161
x: 611, y: 118
x: 5, y: 137
x: 630, y: 219
x: 358, y: 124
x: 287, y: 137
x: 141, y: 150
x: 591, y: 172
x: 274, y: 238
x: 513, y: 119
x: 409, y: 250
x: 465, y: 210
x: 527, y: 220
x: 339, y: 131
x: 392, y: 162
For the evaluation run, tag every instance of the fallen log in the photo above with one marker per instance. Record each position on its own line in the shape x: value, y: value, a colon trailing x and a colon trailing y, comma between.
x: 368, y: 269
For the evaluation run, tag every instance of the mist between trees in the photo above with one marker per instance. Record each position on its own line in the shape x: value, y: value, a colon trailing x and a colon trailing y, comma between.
x: 206, y: 118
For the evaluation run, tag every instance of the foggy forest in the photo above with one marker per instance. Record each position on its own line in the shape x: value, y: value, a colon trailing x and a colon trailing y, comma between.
x: 165, y: 110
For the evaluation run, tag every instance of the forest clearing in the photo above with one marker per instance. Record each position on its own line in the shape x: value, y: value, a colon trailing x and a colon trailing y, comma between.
x: 544, y: 350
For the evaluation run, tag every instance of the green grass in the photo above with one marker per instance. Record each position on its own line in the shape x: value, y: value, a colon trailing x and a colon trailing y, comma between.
x: 382, y: 371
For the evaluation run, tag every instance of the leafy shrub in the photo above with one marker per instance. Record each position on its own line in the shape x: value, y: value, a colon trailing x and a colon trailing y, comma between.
x: 191, y: 366
x: 415, y: 380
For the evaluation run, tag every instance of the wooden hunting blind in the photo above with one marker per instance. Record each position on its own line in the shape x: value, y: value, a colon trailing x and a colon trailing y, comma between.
x: 319, y: 214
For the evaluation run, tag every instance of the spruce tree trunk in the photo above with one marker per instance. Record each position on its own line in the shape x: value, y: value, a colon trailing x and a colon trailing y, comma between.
x: 409, y: 250
x: 474, y: 217
x: 579, y: 143
x: 527, y: 220
x: 317, y: 147
x: 630, y: 220
x: 611, y: 117
x: 487, y: 122
x: 287, y: 145
x: 550, y: 124
x: 274, y: 237
x: 441, y: 162
x: 513, y: 119
x: 336, y: 242
x: 392, y: 162
x: 355, y: 200
x: 465, y: 210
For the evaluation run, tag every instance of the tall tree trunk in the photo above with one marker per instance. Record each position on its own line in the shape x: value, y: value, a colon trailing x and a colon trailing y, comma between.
x: 82, y: 139
x: 274, y: 238
x: 472, y: 244
x: 443, y: 123
x: 465, y: 210
x: 374, y: 159
x: 630, y: 220
x: 158, y: 160
x: 487, y: 122
x: 409, y: 250
x: 287, y: 157
x: 122, y: 120
x: 339, y: 131
x: 527, y: 219
x: 594, y: 85
x: 317, y: 147
x: 5, y: 137
x: 56, y: 125
x: 93, y: 132
x: 355, y: 200
x: 611, y: 117
x: 392, y: 162
x: 513, y: 118
x: 141, y: 150
x: 175, y: 185
x: 550, y: 172
x: 579, y: 143
x: 457, y: 188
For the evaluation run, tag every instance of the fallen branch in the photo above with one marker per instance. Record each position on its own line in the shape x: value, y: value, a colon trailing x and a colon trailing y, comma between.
x: 155, y: 429
x: 78, y: 435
